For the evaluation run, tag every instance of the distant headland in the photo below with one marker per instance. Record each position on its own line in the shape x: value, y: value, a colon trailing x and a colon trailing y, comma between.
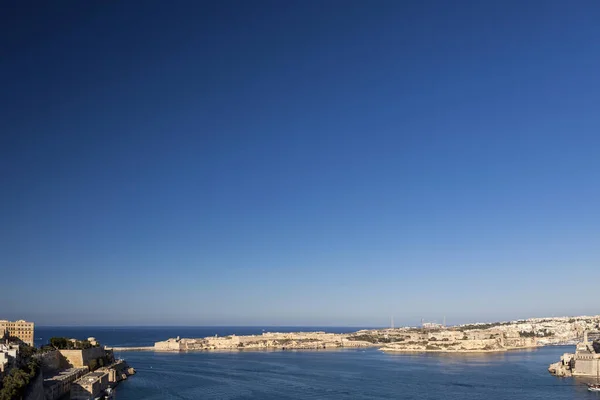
x: 477, y: 337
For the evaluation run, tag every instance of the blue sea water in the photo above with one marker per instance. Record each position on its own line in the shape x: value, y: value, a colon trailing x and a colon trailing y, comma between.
x: 120, y: 336
x: 328, y: 374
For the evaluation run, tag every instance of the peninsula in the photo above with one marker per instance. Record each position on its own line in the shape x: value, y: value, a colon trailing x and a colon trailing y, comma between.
x: 479, y: 337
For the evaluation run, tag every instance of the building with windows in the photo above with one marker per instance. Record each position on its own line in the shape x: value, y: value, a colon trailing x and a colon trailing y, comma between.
x: 20, y: 329
x: 8, y: 355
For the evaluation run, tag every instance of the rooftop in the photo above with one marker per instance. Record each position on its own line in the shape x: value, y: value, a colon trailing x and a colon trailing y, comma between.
x: 91, y: 377
x: 62, y: 375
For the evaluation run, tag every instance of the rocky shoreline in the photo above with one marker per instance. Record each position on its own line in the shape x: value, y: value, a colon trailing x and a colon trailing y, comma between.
x: 470, y: 338
x: 481, y: 338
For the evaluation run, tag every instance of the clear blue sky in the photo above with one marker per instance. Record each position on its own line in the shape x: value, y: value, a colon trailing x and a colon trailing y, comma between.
x: 299, y: 162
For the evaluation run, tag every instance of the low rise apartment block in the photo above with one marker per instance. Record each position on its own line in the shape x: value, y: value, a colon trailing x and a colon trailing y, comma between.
x: 20, y: 329
x: 8, y: 355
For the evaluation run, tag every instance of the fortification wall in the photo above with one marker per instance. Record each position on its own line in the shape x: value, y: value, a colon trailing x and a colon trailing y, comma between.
x: 35, y: 389
x: 167, y: 345
x: 82, y: 358
x: 519, y: 342
x: 478, y: 343
x: 53, y: 361
x: 589, y: 366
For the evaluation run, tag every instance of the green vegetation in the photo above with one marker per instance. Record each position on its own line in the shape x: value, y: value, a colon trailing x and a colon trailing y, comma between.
x: 481, y: 326
x: 527, y: 334
x: 26, y: 352
x: 62, y: 343
x: 368, y: 338
x: 541, y: 333
x: 14, y: 384
x: 100, y: 362
x: 432, y: 347
x: 375, y: 339
x: 46, y: 348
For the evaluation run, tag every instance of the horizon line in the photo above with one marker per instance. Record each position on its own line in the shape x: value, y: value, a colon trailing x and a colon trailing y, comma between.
x: 208, y: 326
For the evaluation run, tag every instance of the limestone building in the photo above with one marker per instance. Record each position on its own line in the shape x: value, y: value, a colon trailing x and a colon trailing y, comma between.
x: 90, y: 386
x: 20, y: 329
x: 3, y: 362
x: 585, y: 361
x: 8, y: 355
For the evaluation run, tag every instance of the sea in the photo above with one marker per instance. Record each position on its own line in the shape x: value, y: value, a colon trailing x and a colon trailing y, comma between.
x: 324, y: 374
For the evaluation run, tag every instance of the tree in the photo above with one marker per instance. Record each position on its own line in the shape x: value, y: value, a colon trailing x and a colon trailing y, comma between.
x: 26, y: 351
x: 59, y: 343
x: 15, y: 383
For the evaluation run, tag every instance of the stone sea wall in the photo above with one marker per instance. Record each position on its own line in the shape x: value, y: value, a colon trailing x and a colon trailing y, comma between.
x: 82, y: 358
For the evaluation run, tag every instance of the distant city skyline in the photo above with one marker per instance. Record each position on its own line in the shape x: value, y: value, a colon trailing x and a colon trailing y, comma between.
x: 299, y: 163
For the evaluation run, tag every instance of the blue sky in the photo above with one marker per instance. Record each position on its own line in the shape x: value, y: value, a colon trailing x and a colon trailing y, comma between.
x: 299, y: 162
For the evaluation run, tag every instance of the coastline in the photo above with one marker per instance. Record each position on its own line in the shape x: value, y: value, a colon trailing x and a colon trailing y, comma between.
x: 430, y: 338
x: 393, y: 350
x: 231, y: 350
x: 376, y: 346
x: 273, y: 349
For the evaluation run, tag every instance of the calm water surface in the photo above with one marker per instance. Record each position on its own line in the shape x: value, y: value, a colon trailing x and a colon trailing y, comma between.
x: 336, y: 374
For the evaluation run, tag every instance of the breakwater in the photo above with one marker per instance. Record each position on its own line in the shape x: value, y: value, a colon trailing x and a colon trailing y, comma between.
x: 138, y: 348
